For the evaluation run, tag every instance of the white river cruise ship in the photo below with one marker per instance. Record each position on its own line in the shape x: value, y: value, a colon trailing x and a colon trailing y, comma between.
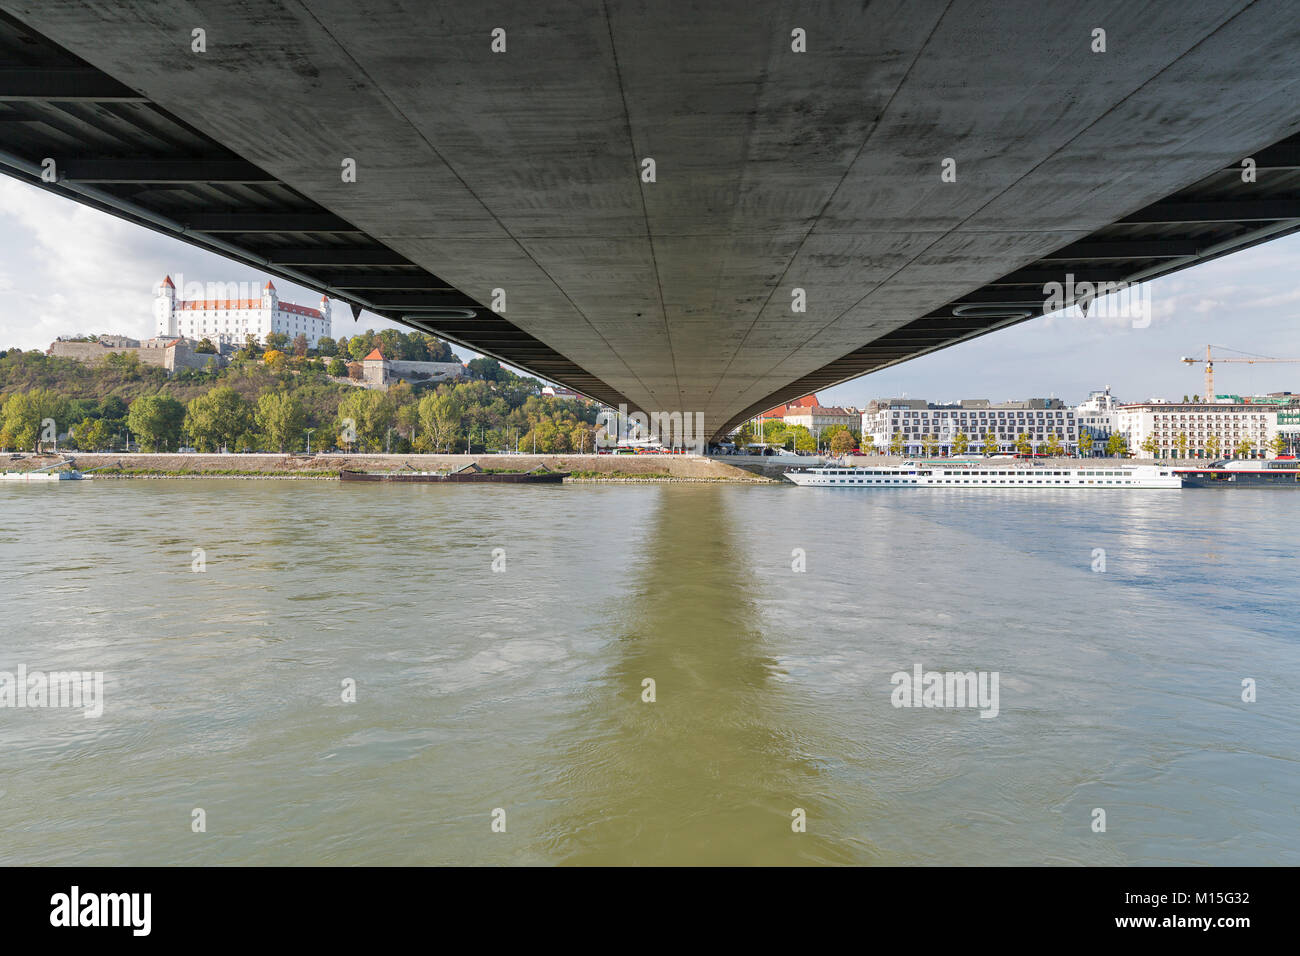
x: 987, y: 474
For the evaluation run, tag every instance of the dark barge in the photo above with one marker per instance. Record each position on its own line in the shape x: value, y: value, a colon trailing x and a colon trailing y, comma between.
x: 1280, y: 472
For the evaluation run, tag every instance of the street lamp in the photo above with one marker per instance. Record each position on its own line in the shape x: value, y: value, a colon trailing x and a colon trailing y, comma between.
x: 309, y: 431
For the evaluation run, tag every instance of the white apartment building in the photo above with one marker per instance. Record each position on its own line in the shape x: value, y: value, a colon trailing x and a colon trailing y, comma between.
x: 914, y: 419
x: 1099, y: 417
x: 1166, y: 421
x: 231, y: 320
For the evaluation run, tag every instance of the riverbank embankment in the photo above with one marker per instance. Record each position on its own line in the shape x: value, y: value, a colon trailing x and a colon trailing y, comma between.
x: 327, y: 466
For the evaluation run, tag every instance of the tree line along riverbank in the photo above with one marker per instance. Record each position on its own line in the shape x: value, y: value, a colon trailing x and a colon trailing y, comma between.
x: 279, y: 402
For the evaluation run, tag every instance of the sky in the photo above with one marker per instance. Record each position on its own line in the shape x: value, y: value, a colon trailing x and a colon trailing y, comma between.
x: 67, y: 269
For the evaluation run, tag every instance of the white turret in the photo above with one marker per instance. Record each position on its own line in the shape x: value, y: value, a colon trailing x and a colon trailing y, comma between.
x: 164, y: 308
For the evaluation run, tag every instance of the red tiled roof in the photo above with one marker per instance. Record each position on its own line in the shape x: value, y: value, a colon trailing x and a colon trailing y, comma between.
x: 167, y: 281
x: 239, y: 304
x: 802, y: 407
x: 808, y: 401
x: 375, y: 356
x: 300, y: 310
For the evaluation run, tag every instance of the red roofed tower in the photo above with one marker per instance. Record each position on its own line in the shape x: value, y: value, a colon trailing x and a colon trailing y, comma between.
x: 164, y: 308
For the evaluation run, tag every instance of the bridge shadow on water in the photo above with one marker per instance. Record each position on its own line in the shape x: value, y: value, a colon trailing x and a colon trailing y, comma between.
x: 711, y: 771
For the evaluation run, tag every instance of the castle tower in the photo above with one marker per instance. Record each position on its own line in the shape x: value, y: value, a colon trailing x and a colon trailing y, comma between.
x: 270, y: 306
x: 164, y: 308
x: 325, y: 315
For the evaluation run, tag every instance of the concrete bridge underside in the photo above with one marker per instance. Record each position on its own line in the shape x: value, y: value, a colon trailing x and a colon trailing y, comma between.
x: 774, y: 169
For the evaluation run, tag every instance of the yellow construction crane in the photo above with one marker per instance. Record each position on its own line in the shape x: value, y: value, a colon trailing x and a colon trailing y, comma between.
x: 1209, y: 361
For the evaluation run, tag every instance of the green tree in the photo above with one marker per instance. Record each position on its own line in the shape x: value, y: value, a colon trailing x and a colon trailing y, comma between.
x: 24, y: 416
x: 1116, y: 445
x: 338, y: 368
x: 487, y: 369
x: 126, y: 364
x: 1278, y: 444
x: 112, y: 407
x: 828, y: 433
x: 1243, y: 448
x: 281, y: 418
x: 960, y: 442
x: 93, y: 434
x: 252, y: 348
x: 1085, y: 443
x: 1150, y: 445
x: 867, y: 445
x: 371, y: 415
x: 156, y: 421
x: 1181, y: 444
x: 1213, y: 446
x: 300, y: 344
x: 205, y: 347
x: 390, y: 342
x: 217, y: 420
x: 841, y: 443
x: 411, y: 348
x: 1022, y: 443
x: 775, y: 431
x: 1053, y: 446
x: 991, y: 444
x: 440, y: 419
x: 437, y: 350
x: 931, y: 445
x: 359, y: 347
x: 897, y: 443
x: 327, y: 346
x: 277, y: 341
x: 408, y: 420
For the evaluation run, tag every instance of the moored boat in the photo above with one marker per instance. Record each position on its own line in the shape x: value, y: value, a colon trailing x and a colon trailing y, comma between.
x: 988, y: 474
x: 46, y: 474
x: 1281, y: 472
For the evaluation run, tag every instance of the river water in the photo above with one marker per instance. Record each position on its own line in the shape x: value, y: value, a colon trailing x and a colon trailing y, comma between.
x: 520, y: 690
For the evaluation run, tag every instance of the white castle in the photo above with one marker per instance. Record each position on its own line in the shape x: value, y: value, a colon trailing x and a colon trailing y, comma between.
x: 232, y: 320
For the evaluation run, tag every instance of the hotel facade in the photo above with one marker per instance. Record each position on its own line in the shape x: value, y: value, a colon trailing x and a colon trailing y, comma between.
x: 1038, y: 419
x: 1229, y: 423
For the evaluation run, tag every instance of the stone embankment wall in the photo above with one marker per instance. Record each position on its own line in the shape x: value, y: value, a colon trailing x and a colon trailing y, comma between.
x: 676, y: 466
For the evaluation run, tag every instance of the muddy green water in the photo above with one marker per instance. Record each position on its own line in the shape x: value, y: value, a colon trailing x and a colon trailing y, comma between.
x: 521, y: 689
